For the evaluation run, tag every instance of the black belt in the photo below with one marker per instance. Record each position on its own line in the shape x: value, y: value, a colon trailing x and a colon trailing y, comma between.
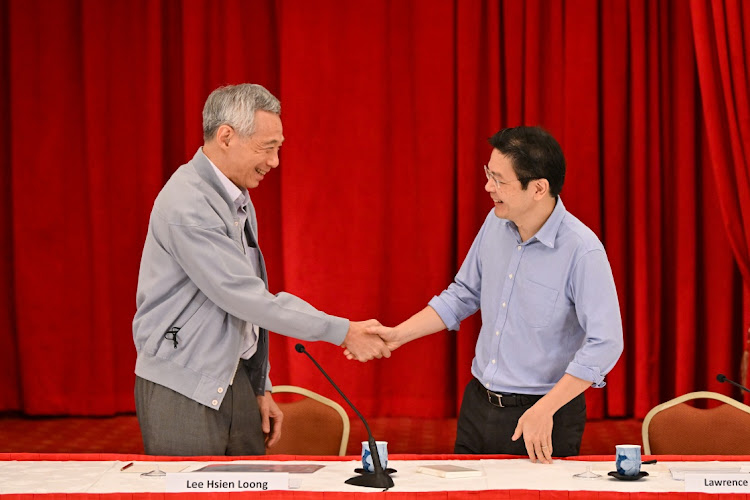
x: 509, y: 400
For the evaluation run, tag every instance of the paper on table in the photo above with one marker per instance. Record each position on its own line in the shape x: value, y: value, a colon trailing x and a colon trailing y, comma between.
x: 294, y: 468
x: 449, y: 471
x: 678, y: 473
x: 141, y: 467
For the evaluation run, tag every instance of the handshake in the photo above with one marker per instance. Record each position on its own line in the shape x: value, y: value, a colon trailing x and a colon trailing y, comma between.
x: 369, y: 339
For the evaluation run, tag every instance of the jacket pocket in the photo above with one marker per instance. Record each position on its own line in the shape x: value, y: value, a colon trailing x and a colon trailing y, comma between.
x: 178, y: 335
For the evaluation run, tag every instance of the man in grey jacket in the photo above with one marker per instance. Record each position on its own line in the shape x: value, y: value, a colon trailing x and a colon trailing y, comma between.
x: 203, y: 306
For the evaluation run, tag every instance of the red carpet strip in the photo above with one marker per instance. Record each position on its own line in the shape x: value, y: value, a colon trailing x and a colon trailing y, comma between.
x: 120, y: 434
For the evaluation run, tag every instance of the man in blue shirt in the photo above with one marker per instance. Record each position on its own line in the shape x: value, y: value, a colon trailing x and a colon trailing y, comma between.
x: 551, y: 323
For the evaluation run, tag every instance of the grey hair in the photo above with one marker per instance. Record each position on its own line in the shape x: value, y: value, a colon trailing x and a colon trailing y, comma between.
x: 235, y: 105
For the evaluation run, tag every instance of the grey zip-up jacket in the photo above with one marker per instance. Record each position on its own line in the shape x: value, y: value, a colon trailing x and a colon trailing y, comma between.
x: 197, y: 290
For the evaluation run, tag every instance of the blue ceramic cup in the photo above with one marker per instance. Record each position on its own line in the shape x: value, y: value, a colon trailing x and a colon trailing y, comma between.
x: 628, y: 459
x: 367, y: 456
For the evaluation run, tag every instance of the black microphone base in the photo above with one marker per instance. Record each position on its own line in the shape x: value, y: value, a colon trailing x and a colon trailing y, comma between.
x: 376, y: 480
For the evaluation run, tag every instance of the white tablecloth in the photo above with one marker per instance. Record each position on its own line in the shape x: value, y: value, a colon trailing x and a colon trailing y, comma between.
x: 106, y: 477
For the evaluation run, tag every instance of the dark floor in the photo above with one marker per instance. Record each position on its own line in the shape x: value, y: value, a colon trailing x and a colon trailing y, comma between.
x: 404, y: 435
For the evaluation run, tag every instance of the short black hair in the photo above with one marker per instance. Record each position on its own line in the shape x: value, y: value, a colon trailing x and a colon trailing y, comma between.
x: 534, y: 154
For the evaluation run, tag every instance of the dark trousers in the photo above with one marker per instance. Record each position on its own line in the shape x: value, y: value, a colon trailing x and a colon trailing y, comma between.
x: 172, y: 424
x: 484, y: 428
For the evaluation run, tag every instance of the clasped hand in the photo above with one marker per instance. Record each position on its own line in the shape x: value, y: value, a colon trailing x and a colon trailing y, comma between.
x: 369, y: 339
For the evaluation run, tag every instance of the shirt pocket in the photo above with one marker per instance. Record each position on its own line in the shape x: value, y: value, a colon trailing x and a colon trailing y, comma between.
x: 536, y: 303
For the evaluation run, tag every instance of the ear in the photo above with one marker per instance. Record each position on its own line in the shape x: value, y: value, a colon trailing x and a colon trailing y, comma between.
x: 224, y: 135
x: 541, y: 188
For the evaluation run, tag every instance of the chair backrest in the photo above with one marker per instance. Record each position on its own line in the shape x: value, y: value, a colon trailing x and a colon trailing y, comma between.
x: 677, y: 428
x: 313, y: 425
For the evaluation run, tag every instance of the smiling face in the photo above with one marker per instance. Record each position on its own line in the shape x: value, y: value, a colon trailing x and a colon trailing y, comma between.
x: 512, y: 202
x: 246, y: 160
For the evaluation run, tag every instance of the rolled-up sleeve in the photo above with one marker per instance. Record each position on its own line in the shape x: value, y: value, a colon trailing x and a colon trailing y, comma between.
x: 598, y: 311
x: 462, y: 298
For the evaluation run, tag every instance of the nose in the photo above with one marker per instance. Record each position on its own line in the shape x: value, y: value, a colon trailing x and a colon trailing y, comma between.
x: 490, y: 186
x: 273, y: 160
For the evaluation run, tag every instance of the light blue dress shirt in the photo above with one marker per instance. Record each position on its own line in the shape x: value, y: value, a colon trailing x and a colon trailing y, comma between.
x: 549, y: 305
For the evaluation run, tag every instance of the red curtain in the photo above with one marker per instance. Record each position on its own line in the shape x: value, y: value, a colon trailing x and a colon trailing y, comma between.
x: 722, y: 34
x: 386, y: 111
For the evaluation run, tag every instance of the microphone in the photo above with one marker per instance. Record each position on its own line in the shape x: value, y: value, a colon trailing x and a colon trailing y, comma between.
x: 380, y: 479
x: 722, y: 378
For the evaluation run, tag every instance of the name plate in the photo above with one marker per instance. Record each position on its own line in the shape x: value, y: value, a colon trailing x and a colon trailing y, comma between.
x: 181, y: 482
x: 718, y: 483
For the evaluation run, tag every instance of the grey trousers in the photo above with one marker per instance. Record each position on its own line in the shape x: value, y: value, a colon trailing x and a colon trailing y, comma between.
x: 172, y: 424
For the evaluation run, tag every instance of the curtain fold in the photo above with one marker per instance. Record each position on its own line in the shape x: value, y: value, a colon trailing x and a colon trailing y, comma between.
x: 10, y: 395
x: 722, y: 40
x: 387, y: 107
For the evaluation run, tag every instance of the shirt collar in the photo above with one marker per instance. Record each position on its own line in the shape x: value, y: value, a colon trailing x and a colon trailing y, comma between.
x: 547, y: 233
x: 240, y: 196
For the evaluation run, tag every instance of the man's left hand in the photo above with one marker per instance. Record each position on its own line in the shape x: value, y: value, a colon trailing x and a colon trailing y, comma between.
x: 271, y: 418
x: 536, y: 427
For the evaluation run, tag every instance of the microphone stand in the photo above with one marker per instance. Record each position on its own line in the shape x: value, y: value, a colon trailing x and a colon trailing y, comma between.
x: 380, y: 478
x: 722, y: 378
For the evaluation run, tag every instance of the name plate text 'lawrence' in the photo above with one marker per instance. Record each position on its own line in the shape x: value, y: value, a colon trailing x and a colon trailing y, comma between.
x: 718, y: 483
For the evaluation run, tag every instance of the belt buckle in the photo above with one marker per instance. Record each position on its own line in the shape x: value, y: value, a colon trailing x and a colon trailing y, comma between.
x: 499, y: 399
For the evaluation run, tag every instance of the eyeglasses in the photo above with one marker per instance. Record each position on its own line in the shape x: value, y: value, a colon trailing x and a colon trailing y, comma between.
x: 498, y: 183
